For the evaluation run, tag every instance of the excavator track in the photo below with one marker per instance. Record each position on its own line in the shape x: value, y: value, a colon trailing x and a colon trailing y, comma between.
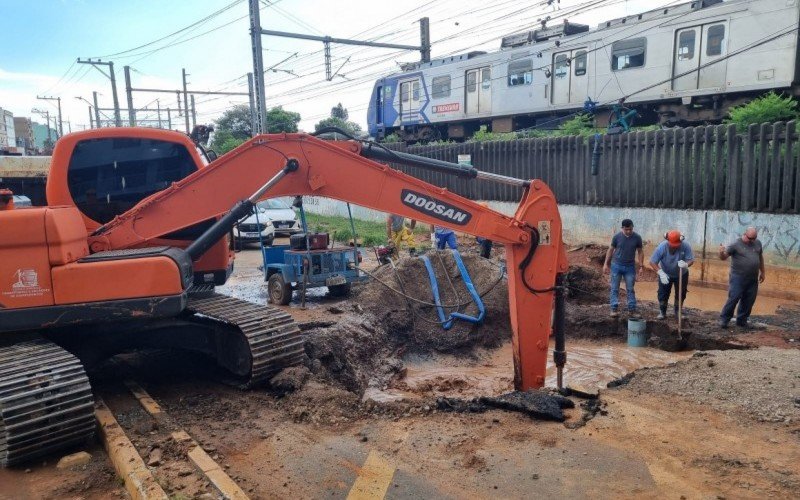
x: 274, y: 339
x: 46, y: 401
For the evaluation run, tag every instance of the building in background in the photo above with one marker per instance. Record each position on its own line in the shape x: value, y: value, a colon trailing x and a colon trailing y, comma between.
x: 23, y: 128
x: 44, y: 138
x: 8, y: 139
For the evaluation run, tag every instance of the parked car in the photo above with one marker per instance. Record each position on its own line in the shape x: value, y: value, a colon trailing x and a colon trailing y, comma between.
x: 253, y: 229
x: 283, y: 217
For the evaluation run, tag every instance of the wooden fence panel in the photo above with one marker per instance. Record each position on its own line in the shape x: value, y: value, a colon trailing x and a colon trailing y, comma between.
x: 695, y: 175
x: 762, y: 167
x: 719, y: 169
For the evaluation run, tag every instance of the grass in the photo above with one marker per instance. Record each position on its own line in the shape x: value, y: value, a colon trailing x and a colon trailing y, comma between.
x: 370, y: 233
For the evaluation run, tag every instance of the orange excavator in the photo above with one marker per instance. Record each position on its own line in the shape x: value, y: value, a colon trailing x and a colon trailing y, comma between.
x: 136, y: 236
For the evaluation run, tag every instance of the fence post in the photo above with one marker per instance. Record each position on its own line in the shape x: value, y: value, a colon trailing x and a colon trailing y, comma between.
x: 718, y: 167
x: 789, y: 169
x: 748, y: 169
x: 687, y: 167
x: 762, y: 167
x: 774, y: 195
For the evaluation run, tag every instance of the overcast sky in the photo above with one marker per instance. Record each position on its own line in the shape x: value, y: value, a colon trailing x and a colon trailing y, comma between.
x: 210, y: 38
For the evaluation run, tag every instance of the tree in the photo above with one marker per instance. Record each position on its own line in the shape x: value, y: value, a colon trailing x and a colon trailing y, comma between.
x: 279, y: 121
x: 236, y: 122
x: 768, y: 108
x: 338, y: 119
x: 339, y: 111
x: 224, y: 141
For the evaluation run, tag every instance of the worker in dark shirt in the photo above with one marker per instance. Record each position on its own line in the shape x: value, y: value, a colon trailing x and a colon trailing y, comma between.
x: 747, y: 271
x: 624, y: 259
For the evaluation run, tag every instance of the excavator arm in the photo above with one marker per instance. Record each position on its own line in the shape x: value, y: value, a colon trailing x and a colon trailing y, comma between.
x: 270, y: 166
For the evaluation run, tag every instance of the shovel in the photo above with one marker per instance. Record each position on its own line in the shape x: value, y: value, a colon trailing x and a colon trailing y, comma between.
x: 679, y: 301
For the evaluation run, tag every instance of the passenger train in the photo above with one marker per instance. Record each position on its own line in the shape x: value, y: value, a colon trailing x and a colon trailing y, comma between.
x: 683, y: 64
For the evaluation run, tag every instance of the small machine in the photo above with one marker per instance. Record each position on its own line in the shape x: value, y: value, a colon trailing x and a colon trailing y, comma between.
x: 310, y: 260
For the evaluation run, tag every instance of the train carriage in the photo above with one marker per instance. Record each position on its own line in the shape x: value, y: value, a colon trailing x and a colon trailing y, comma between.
x: 683, y: 64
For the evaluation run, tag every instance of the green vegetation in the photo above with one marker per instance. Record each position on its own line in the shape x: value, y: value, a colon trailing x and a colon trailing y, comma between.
x: 370, y: 233
x: 339, y: 119
x: 768, y: 108
x: 234, y: 126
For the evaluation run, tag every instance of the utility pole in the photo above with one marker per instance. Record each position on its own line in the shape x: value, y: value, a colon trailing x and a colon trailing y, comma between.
x: 259, y: 89
x: 96, y: 110
x: 185, y: 101
x: 60, y: 123
x: 194, y: 114
x: 131, y: 111
x: 69, y: 126
x: 253, y: 131
x: 110, y: 76
x: 169, y: 119
x: 90, y: 117
x: 158, y: 106
x: 425, y: 39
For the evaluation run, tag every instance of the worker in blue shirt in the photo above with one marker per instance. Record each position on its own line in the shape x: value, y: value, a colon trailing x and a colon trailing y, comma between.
x: 443, y: 237
x: 672, y: 256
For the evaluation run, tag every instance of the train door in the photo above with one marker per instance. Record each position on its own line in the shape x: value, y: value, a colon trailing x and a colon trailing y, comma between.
x: 560, y: 78
x: 569, y: 79
x: 409, y: 101
x: 714, y: 48
x: 478, y: 91
x: 579, y: 81
x: 687, y: 58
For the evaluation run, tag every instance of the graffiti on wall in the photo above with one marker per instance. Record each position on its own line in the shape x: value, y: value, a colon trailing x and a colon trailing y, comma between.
x: 779, y: 235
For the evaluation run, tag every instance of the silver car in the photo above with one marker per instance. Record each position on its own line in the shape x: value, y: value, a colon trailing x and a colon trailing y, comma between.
x: 283, y: 217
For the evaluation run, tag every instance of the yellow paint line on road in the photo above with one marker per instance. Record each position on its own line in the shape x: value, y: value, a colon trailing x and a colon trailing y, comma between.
x: 373, y: 479
x: 139, y: 481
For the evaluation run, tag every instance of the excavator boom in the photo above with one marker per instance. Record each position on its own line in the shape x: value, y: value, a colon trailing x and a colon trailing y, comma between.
x: 338, y: 170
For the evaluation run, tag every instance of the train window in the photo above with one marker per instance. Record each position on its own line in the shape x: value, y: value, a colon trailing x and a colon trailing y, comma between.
x: 415, y: 91
x: 520, y: 72
x: 486, y: 78
x: 714, y: 40
x: 405, y: 90
x: 441, y: 86
x: 561, y: 65
x: 580, y: 63
x: 627, y: 54
x: 686, y: 45
x: 472, y: 81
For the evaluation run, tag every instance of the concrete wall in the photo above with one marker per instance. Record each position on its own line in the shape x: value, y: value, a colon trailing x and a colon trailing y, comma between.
x: 779, y: 234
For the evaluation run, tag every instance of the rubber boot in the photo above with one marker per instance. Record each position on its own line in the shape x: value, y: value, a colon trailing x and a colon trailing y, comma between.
x: 663, y: 310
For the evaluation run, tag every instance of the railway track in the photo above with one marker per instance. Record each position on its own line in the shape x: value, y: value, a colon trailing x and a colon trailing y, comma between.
x: 150, y: 450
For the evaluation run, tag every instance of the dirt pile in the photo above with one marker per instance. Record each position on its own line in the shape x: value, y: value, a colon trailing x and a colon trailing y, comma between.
x: 766, y: 389
x: 413, y: 320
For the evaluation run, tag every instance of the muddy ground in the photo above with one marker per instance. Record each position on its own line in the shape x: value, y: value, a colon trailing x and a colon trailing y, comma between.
x: 719, y: 423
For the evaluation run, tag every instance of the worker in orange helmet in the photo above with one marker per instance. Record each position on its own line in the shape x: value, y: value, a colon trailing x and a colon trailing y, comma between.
x: 672, y: 256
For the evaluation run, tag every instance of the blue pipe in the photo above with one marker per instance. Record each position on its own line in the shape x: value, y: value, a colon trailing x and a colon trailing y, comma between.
x: 447, y: 322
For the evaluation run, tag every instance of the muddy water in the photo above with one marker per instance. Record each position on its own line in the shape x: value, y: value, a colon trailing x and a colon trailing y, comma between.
x: 588, y: 364
x: 709, y: 299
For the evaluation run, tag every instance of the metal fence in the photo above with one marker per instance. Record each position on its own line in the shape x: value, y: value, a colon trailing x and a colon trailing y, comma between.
x: 709, y: 167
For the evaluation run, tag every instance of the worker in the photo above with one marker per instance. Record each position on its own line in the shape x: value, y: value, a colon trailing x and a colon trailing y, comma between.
x: 624, y: 259
x: 443, y: 237
x: 399, y: 234
x: 672, y: 256
x: 747, y: 271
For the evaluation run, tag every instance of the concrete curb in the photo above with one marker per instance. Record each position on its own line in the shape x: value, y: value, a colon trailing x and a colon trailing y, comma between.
x: 139, y: 482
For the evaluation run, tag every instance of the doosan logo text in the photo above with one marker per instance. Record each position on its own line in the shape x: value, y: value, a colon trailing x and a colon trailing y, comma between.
x: 435, y: 208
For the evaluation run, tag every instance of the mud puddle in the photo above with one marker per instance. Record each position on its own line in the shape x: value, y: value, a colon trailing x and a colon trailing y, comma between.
x: 589, y: 364
x: 710, y: 299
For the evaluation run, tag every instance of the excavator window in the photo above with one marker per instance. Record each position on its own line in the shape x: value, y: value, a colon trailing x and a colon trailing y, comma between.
x: 108, y: 176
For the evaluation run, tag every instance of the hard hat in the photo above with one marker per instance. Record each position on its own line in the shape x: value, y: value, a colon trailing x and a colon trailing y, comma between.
x: 674, y: 238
